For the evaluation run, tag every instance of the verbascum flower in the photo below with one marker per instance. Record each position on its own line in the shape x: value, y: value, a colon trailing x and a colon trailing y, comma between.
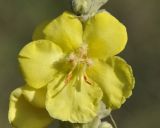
x: 69, y: 68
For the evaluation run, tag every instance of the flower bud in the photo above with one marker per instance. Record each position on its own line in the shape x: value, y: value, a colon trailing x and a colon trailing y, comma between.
x: 87, y: 7
x: 81, y: 7
x: 105, y: 125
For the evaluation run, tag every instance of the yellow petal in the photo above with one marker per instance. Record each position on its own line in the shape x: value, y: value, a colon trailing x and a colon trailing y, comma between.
x: 76, y: 102
x: 105, y: 35
x: 37, y: 61
x: 38, y: 32
x: 23, y: 115
x: 66, y: 31
x: 115, y: 79
x: 36, y: 97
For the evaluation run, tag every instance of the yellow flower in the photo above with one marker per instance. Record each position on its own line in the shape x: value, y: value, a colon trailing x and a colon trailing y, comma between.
x: 26, y: 108
x: 70, y: 68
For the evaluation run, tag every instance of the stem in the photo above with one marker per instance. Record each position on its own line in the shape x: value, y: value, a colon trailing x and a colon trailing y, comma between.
x: 113, y: 121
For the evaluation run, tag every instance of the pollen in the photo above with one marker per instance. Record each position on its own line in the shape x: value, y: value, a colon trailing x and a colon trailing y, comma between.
x: 79, y: 60
x: 79, y: 56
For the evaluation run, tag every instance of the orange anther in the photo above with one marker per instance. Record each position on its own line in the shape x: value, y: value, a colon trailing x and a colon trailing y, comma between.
x: 68, y: 78
x: 87, y: 80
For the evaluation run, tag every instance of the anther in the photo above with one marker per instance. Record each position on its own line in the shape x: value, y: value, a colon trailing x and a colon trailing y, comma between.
x: 89, y: 62
x: 87, y: 80
x: 68, y: 78
x: 83, y: 50
x: 84, y: 46
x: 71, y: 57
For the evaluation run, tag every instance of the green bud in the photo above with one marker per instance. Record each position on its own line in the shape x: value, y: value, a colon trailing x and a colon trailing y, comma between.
x: 103, y: 112
x: 94, y: 124
x: 87, y: 7
x: 105, y: 125
x: 81, y: 6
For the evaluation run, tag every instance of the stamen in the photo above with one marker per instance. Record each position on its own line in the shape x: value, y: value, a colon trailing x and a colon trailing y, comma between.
x: 69, y: 75
x: 79, y: 58
x: 87, y: 80
x: 83, y: 50
x: 89, y: 62
x: 68, y: 78
x: 72, y: 57
x: 84, y: 46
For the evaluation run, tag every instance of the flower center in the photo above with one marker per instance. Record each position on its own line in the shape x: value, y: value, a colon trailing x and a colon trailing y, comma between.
x: 79, y: 61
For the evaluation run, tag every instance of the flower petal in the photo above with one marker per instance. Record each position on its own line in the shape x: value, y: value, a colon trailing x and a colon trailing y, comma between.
x: 36, y: 97
x: 105, y: 35
x: 38, y: 32
x: 23, y: 115
x: 76, y: 102
x: 66, y: 31
x: 115, y: 79
x: 37, y: 61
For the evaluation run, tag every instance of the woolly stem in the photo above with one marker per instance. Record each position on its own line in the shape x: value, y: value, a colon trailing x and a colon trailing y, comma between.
x: 113, y: 121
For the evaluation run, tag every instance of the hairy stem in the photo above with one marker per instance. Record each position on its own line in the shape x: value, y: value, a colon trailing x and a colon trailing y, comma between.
x: 113, y: 121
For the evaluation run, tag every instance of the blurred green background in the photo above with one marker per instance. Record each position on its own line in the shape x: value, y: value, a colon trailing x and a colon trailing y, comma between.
x: 18, y: 19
